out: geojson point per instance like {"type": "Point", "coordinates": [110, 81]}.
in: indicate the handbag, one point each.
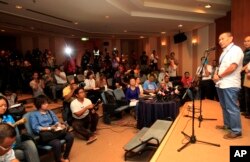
{"type": "Point", "coordinates": [46, 136]}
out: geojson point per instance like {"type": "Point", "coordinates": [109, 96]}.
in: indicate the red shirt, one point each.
{"type": "Point", "coordinates": [186, 81]}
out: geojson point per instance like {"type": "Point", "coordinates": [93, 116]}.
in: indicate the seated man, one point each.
{"type": "Point", "coordinates": [150, 86]}
{"type": "Point", "coordinates": [7, 139]}
{"type": "Point", "coordinates": [68, 95]}
{"type": "Point", "coordinates": [85, 118]}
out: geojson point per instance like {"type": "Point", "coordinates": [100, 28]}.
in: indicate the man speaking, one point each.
{"type": "Point", "coordinates": [228, 83]}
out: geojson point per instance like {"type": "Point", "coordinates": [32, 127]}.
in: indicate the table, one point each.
{"type": "Point", "coordinates": [148, 111]}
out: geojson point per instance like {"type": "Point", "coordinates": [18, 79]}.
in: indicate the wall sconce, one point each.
{"type": "Point", "coordinates": [194, 41]}
{"type": "Point", "coordinates": [163, 43]}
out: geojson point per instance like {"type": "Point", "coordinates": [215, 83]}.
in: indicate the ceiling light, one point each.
{"type": "Point", "coordinates": [180, 26]}
{"type": "Point", "coordinates": [72, 35]}
{"type": "Point", "coordinates": [125, 31]}
{"type": "Point", "coordinates": [141, 36]}
{"type": "Point", "coordinates": [208, 6]}
{"type": "Point", "coordinates": [2, 30]}
{"type": "Point", "coordinates": [19, 7]}
{"type": "Point", "coordinates": [76, 23]}
{"type": "Point", "coordinates": [84, 39]}
{"type": "Point", "coordinates": [163, 32]}
{"type": "Point", "coordinates": [106, 17]}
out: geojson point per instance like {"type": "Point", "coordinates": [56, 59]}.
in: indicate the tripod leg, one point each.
{"type": "Point", "coordinates": [184, 146]}
{"type": "Point", "coordinates": [214, 144]}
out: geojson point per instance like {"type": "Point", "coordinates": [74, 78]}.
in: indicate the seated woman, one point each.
{"type": "Point", "coordinates": [93, 92]}
{"type": "Point", "coordinates": [132, 92]}
{"type": "Point", "coordinates": [26, 148]}
{"type": "Point", "coordinates": [37, 85]}
{"type": "Point", "coordinates": [138, 84]}
{"type": "Point", "coordinates": [90, 83]}
{"type": "Point", "coordinates": [45, 120]}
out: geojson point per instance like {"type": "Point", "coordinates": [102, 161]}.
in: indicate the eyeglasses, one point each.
{"type": "Point", "coordinates": [5, 106]}
{"type": "Point", "coordinates": [4, 148]}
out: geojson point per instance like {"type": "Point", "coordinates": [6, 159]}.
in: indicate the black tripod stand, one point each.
{"type": "Point", "coordinates": [192, 138]}
{"type": "Point", "coordinates": [200, 117]}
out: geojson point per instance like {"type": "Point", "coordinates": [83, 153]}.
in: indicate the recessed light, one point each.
{"type": "Point", "coordinates": [2, 30]}
{"type": "Point", "coordinates": [163, 32]}
{"type": "Point", "coordinates": [180, 26]}
{"type": "Point", "coordinates": [72, 35]}
{"type": "Point", "coordinates": [76, 23]}
{"type": "Point", "coordinates": [84, 39]}
{"type": "Point", "coordinates": [19, 7]}
{"type": "Point", "coordinates": [125, 31]}
{"type": "Point", "coordinates": [106, 17]}
{"type": "Point", "coordinates": [141, 36]}
{"type": "Point", "coordinates": [208, 6]}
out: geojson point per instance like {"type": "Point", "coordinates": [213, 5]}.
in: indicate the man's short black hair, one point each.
{"type": "Point", "coordinates": [6, 130]}
{"type": "Point", "coordinates": [40, 100]}
{"type": "Point", "coordinates": [77, 90]}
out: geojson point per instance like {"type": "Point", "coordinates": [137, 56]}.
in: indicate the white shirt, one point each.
{"type": "Point", "coordinates": [76, 106]}
{"type": "Point", "coordinates": [172, 71]}
{"type": "Point", "coordinates": [10, 155]}
{"type": "Point", "coordinates": [59, 80]}
{"type": "Point", "coordinates": [231, 54]}
{"type": "Point", "coordinates": [89, 83]}
{"type": "Point", "coordinates": [209, 69]}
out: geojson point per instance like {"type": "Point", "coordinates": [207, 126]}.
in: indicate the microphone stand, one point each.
{"type": "Point", "coordinates": [192, 138]}
{"type": "Point", "coordinates": [200, 117]}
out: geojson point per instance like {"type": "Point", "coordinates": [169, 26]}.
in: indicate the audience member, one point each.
{"type": "Point", "coordinates": [37, 85]}
{"type": "Point", "coordinates": [205, 79]}
{"type": "Point", "coordinates": [45, 120]}
{"type": "Point", "coordinates": [242, 94]}
{"type": "Point", "coordinates": [7, 139]}
{"type": "Point", "coordinates": [132, 92]}
{"type": "Point", "coordinates": [24, 150]}
{"type": "Point", "coordinates": [149, 85]}
{"type": "Point", "coordinates": [85, 118]}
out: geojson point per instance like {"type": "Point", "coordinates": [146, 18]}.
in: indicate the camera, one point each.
{"type": "Point", "coordinates": [99, 101]}
{"type": "Point", "coordinates": [81, 84]}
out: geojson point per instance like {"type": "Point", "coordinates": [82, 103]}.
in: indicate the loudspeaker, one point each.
{"type": "Point", "coordinates": [180, 37]}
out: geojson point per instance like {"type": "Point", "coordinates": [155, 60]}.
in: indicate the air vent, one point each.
{"type": "Point", "coordinates": [2, 2]}
{"type": "Point", "coordinates": [54, 17]}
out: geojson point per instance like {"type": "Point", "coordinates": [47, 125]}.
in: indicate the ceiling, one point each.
{"type": "Point", "coordinates": [108, 18]}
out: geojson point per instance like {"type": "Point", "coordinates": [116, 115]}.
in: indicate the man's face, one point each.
{"type": "Point", "coordinates": [81, 94]}
{"type": "Point", "coordinates": [225, 39]}
{"type": "Point", "coordinates": [186, 75]}
{"type": "Point", "coordinates": [247, 42]}
{"type": "Point", "coordinates": [6, 145]}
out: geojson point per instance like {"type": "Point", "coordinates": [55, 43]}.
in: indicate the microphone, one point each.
{"type": "Point", "coordinates": [210, 49]}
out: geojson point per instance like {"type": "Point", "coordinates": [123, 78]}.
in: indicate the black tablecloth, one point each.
{"type": "Point", "coordinates": [149, 111]}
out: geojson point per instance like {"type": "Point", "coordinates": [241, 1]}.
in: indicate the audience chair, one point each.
{"type": "Point", "coordinates": [34, 136]}
{"type": "Point", "coordinates": [111, 107]}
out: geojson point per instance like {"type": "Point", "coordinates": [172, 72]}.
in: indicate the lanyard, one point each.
{"type": "Point", "coordinates": [225, 55]}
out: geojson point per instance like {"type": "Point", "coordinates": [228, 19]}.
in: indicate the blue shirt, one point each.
{"type": "Point", "coordinates": [39, 120]}
{"type": "Point", "coordinates": [149, 85]}
{"type": "Point", "coordinates": [132, 94]}
{"type": "Point", "coordinates": [8, 119]}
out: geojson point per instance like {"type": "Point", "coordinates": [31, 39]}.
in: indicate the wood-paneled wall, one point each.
{"type": "Point", "coordinates": [240, 20]}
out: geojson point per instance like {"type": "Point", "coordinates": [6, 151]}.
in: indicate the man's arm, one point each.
{"type": "Point", "coordinates": [228, 71]}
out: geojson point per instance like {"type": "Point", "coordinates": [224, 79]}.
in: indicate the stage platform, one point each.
{"type": "Point", "coordinates": [199, 152]}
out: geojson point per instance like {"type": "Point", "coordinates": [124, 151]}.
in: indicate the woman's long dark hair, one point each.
{"type": "Point", "coordinates": [3, 98]}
